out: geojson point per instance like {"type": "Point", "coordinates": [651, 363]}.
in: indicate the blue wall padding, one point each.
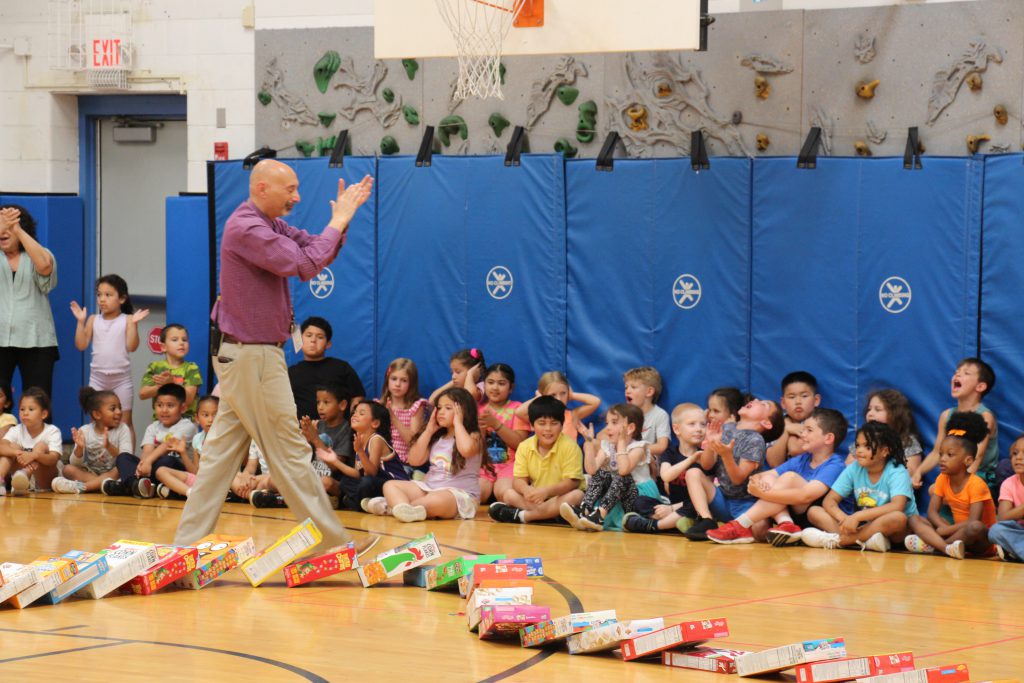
{"type": "Point", "coordinates": [60, 222]}
{"type": "Point", "coordinates": [188, 276]}
{"type": "Point", "coordinates": [442, 230]}
{"type": "Point", "coordinates": [804, 292]}
{"type": "Point", "coordinates": [631, 234]}
{"type": "Point", "coordinates": [1002, 282]}
{"type": "Point", "coordinates": [349, 305]}
{"type": "Point", "coordinates": [923, 226]}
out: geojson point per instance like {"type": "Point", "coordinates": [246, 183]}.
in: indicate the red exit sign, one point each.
{"type": "Point", "coordinates": [106, 53]}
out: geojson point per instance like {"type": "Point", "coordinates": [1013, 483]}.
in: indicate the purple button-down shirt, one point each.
{"type": "Point", "coordinates": [257, 256]}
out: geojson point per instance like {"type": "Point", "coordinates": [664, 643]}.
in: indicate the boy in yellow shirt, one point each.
{"type": "Point", "coordinates": [548, 469]}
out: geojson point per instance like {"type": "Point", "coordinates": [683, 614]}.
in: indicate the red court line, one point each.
{"type": "Point", "coordinates": [970, 647]}
{"type": "Point", "coordinates": [753, 601]}
{"type": "Point", "coordinates": [929, 617]}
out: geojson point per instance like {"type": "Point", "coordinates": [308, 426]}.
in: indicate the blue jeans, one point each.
{"type": "Point", "coordinates": [727, 509]}
{"type": "Point", "coordinates": [1009, 536]}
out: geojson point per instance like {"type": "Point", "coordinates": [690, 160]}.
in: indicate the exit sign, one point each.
{"type": "Point", "coordinates": [106, 53]}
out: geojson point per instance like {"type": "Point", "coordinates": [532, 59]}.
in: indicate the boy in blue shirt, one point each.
{"type": "Point", "coordinates": [791, 488]}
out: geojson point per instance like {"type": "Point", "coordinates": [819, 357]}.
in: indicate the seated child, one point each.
{"type": "Point", "coordinates": [467, 368]}
{"type": "Point", "coordinates": [452, 443]}
{"type": "Point", "coordinates": [879, 485]}
{"type": "Point", "coordinates": [407, 409]}
{"type": "Point", "coordinates": [555, 383]}
{"type": "Point", "coordinates": [316, 369]}
{"type": "Point", "coordinates": [548, 469]}
{"type": "Point", "coordinates": [7, 420]}
{"type": "Point", "coordinates": [799, 399]}
{"type": "Point", "coordinates": [97, 444]}
{"type": "Point", "coordinates": [732, 452]}
{"type": "Point", "coordinates": [790, 489]}
{"type": "Point", "coordinates": [174, 368]}
{"type": "Point", "coordinates": [891, 407]}
{"type": "Point", "coordinates": [618, 466]}
{"type": "Point", "coordinates": [30, 451]}
{"type": "Point", "coordinates": [972, 381]}
{"type": "Point", "coordinates": [334, 460]}
{"type": "Point", "coordinates": [163, 445]}
{"type": "Point", "coordinates": [179, 482]}
{"type": "Point", "coordinates": [724, 404]}
{"type": "Point", "coordinates": [966, 494]}
{"type": "Point", "coordinates": [501, 429]}
{"type": "Point", "coordinates": [643, 388]}
{"type": "Point", "coordinates": [1008, 532]}
{"type": "Point", "coordinates": [650, 515]}
{"type": "Point", "coordinates": [378, 461]}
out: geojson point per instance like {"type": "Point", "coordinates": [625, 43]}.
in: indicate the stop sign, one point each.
{"type": "Point", "coordinates": [154, 340]}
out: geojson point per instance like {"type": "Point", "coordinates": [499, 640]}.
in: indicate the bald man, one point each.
{"type": "Point", "coordinates": [258, 253]}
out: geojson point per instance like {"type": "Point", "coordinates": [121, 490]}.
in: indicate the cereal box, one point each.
{"type": "Point", "coordinates": [218, 554]}
{"type": "Point", "coordinates": [174, 563]}
{"type": "Point", "coordinates": [446, 576]}
{"type": "Point", "coordinates": [505, 621]}
{"type": "Point", "coordinates": [788, 656]}
{"type": "Point", "coordinates": [560, 628]}
{"type": "Point", "coordinates": [688, 633]}
{"type": "Point", "coordinates": [91, 566]}
{"type": "Point", "coordinates": [950, 673]}
{"type": "Point", "coordinates": [716, 660]}
{"type": "Point", "coordinates": [334, 561]}
{"type": "Point", "coordinates": [494, 575]}
{"type": "Point", "coordinates": [417, 576]}
{"type": "Point", "coordinates": [125, 560]}
{"type": "Point", "coordinates": [274, 557]}
{"type": "Point", "coordinates": [534, 567]}
{"type": "Point", "coordinates": [608, 636]}
{"type": "Point", "coordinates": [52, 573]}
{"type": "Point", "coordinates": [397, 560]}
{"type": "Point", "coordinates": [854, 667]}
{"type": "Point", "coordinates": [522, 595]}
{"type": "Point", "coordinates": [15, 578]}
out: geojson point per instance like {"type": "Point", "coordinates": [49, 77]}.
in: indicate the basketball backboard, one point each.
{"type": "Point", "coordinates": [415, 28]}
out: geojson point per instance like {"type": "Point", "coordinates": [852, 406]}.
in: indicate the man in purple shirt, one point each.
{"type": "Point", "coordinates": [259, 252]}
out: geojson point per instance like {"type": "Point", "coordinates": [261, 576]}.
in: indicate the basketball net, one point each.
{"type": "Point", "coordinates": [479, 27]}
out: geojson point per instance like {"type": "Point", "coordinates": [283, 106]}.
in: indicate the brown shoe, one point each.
{"type": "Point", "coordinates": [364, 544]}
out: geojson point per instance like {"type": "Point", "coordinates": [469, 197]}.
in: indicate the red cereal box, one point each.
{"type": "Point", "coordinates": [334, 561]}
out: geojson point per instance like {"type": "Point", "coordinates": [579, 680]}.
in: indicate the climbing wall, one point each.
{"type": "Point", "coordinates": [863, 75]}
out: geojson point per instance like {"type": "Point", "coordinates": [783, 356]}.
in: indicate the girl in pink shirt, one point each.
{"type": "Point", "coordinates": [401, 396]}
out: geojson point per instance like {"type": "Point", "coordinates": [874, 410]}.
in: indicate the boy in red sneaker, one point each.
{"type": "Point", "coordinates": [790, 489]}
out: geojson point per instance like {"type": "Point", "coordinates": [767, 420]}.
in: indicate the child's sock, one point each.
{"type": "Point", "coordinates": [80, 485]}
{"type": "Point", "coordinates": [745, 521]}
{"type": "Point", "coordinates": [783, 517]}
{"type": "Point", "coordinates": [188, 492]}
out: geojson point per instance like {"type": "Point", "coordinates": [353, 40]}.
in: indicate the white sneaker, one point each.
{"type": "Point", "coordinates": [374, 506]}
{"type": "Point", "coordinates": [878, 542]}
{"type": "Point", "coordinates": [999, 549]}
{"type": "Point", "coordinates": [62, 485]}
{"type": "Point", "coordinates": [404, 512]}
{"type": "Point", "coordinates": [162, 491]}
{"type": "Point", "coordinates": [914, 544]}
{"type": "Point", "coordinates": [816, 538]}
{"type": "Point", "coordinates": [20, 483]}
{"type": "Point", "coordinates": [3, 489]}
{"type": "Point", "coordinates": [956, 550]}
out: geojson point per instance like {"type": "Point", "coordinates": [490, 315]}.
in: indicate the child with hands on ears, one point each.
{"type": "Point", "coordinates": [556, 384]}
{"type": "Point", "coordinates": [467, 366]}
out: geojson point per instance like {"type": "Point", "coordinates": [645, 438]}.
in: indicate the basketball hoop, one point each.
{"type": "Point", "coordinates": [479, 27]}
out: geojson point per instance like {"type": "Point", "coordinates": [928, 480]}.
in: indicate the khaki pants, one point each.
{"type": "Point", "coordinates": [256, 404]}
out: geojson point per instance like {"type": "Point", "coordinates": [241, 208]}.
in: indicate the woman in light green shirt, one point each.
{"type": "Point", "coordinates": [28, 273]}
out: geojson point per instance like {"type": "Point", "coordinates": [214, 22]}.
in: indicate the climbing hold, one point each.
{"type": "Point", "coordinates": [305, 147]}
{"type": "Point", "coordinates": [325, 68]}
{"type": "Point", "coordinates": [761, 87]}
{"type": "Point", "coordinates": [501, 72]}
{"type": "Point", "coordinates": [388, 145]}
{"type": "Point", "coordinates": [450, 125]}
{"type": "Point", "coordinates": [974, 82]}
{"type": "Point", "coordinates": [326, 118]}
{"type": "Point", "coordinates": [498, 124]}
{"type": "Point", "coordinates": [410, 66]}
{"type": "Point", "coordinates": [565, 148]}
{"type": "Point", "coordinates": [1002, 116]}
{"type": "Point", "coordinates": [586, 125]}
{"type": "Point", "coordinates": [637, 114]}
{"type": "Point", "coordinates": [412, 116]}
{"type": "Point", "coordinates": [866, 89]}
{"type": "Point", "coordinates": [324, 146]}
{"type": "Point", "coordinates": [567, 94]}
{"type": "Point", "coordinates": [974, 141]}
{"type": "Point", "coordinates": [762, 142]}
{"type": "Point", "coordinates": [862, 148]}
{"type": "Point", "coordinates": [388, 94]}
{"type": "Point", "coordinates": [264, 97]}
{"type": "Point", "coordinates": [663, 89]}
{"type": "Point", "coordinates": [737, 118]}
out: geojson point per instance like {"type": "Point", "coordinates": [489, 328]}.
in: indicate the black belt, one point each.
{"type": "Point", "coordinates": [231, 340]}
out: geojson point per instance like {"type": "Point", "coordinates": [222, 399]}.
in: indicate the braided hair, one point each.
{"type": "Point", "coordinates": [878, 435]}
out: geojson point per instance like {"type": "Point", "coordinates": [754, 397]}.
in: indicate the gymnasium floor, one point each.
{"type": "Point", "coordinates": [943, 610]}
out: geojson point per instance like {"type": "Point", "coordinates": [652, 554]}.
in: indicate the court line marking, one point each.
{"type": "Point", "coordinates": [574, 603]}
{"type": "Point", "coordinates": [754, 601]}
{"type": "Point", "coordinates": [970, 647]}
{"type": "Point", "coordinates": [65, 628]}
{"type": "Point", "coordinates": [59, 652]}
{"type": "Point", "coordinates": [291, 668]}
{"type": "Point", "coordinates": [908, 615]}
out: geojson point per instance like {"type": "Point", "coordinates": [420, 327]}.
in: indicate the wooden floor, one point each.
{"type": "Point", "coordinates": [943, 610]}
